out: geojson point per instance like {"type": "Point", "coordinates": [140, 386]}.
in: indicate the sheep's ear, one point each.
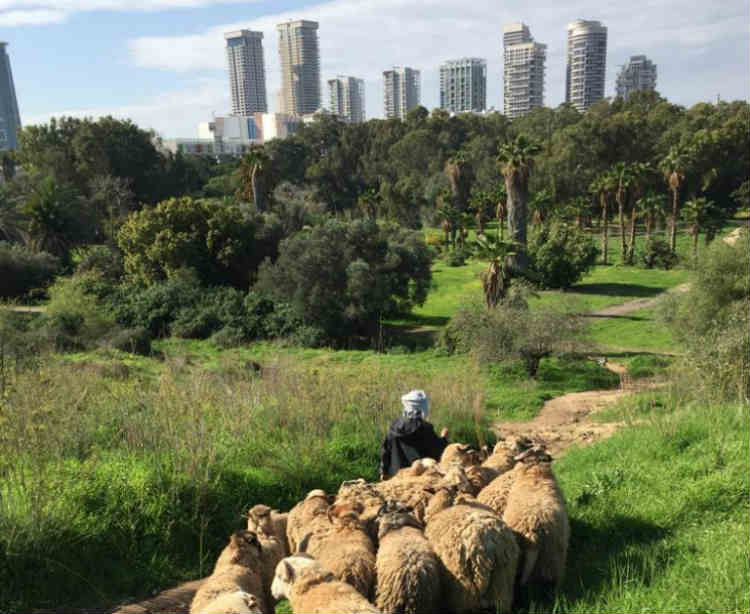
{"type": "Point", "coordinates": [331, 512]}
{"type": "Point", "coordinates": [358, 507]}
{"type": "Point", "coordinates": [287, 572]}
{"type": "Point", "coordinates": [304, 543]}
{"type": "Point", "coordinates": [382, 510]}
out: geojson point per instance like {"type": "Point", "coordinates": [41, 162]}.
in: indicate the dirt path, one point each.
{"type": "Point", "coordinates": [565, 421]}
{"type": "Point", "coordinates": [624, 309]}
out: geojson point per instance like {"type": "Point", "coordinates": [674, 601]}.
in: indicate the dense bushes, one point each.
{"type": "Point", "coordinates": [656, 253]}
{"type": "Point", "coordinates": [343, 277]}
{"type": "Point", "coordinates": [22, 269]}
{"type": "Point", "coordinates": [560, 255]}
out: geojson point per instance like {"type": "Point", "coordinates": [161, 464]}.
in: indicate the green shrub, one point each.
{"type": "Point", "coordinates": [457, 257]}
{"type": "Point", "coordinates": [133, 340]}
{"type": "Point", "coordinates": [229, 337]}
{"type": "Point", "coordinates": [656, 253]}
{"type": "Point", "coordinates": [560, 254]}
{"type": "Point", "coordinates": [23, 270]}
{"type": "Point", "coordinates": [102, 259]}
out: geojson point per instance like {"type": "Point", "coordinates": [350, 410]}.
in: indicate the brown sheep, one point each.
{"type": "Point", "coordinates": [537, 514]}
{"type": "Point", "coordinates": [461, 454]}
{"type": "Point", "coordinates": [347, 551]}
{"type": "Point", "coordinates": [367, 495]}
{"type": "Point", "coordinates": [259, 520]}
{"type": "Point", "coordinates": [308, 517]}
{"type": "Point", "coordinates": [478, 551]}
{"type": "Point", "coordinates": [238, 568]}
{"type": "Point", "coordinates": [408, 570]}
{"type": "Point", "coordinates": [502, 457]}
{"type": "Point", "coordinates": [495, 494]}
{"type": "Point", "coordinates": [311, 588]}
{"type": "Point", "coordinates": [238, 602]}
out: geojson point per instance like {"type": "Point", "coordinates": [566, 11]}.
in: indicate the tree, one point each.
{"type": "Point", "coordinates": [459, 174]}
{"type": "Point", "coordinates": [604, 186]}
{"type": "Point", "coordinates": [541, 206]}
{"type": "Point", "coordinates": [623, 173]}
{"type": "Point", "coordinates": [653, 205]}
{"type": "Point", "coordinates": [252, 169]}
{"type": "Point", "coordinates": [674, 166]}
{"type": "Point", "coordinates": [12, 221]}
{"type": "Point", "coordinates": [516, 161]}
{"type": "Point", "coordinates": [701, 215]}
{"type": "Point", "coordinates": [496, 279]}
{"type": "Point", "coordinates": [560, 254]}
{"type": "Point", "coordinates": [113, 199]}
{"type": "Point", "coordinates": [343, 277]}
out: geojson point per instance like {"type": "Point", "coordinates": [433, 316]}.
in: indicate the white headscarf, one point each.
{"type": "Point", "coordinates": [416, 404]}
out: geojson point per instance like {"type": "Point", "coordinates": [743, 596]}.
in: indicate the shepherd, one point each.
{"type": "Point", "coordinates": [411, 436]}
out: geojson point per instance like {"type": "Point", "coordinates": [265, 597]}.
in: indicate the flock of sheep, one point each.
{"type": "Point", "coordinates": [455, 536]}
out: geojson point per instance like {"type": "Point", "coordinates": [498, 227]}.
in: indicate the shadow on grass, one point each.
{"type": "Point", "coordinates": [632, 318]}
{"type": "Point", "coordinates": [595, 555]}
{"type": "Point", "coordinates": [615, 289]}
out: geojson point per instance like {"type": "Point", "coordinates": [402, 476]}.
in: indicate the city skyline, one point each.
{"type": "Point", "coordinates": [171, 79]}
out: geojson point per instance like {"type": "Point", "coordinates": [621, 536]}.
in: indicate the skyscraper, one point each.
{"type": "Point", "coordinates": [463, 85]}
{"type": "Point", "coordinates": [300, 67]}
{"type": "Point", "coordinates": [347, 98]}
{"type": "Point", "coordinates": [587, 61]}
{"type": "Point", "coordinates": [10, 120]}
{"type": "Point", "coordinates": [247, 73]}
{"type": "Point", "coordinates": [523, 70]}
{"type": "Point", "coordinates": [401, 92]}
{"type": "Point", "coordinates": [638, 74]}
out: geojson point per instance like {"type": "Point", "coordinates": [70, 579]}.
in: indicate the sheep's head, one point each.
{"type": "Point", "coordinates": [394, 515]}
{"type": "Point", "coordinates": [533, 456]}
{"type": "Point", "coordinates": [317, 493]}
{"type": "Point", "coordinates": [346, 514]}
{"type": "Point", "coordinates": [288, 571]}
{"type": "Point", "coordinates": [460, 454]}
{"type": "Point", "coordinates": [245, 548]}
{"type": "Point", "coordinates": [259, 519]}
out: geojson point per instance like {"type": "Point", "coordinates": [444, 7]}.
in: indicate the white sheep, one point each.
{"type": "Point", "coordinates": [478, 551]}
{"type": "Point", "coordinates": [238, 568]}
{"type": "Point", "coordinates": [309, 516]}
{"type": "Point", "coordinates": [238, 602]}
{"type": "Point", "coordinates": [537, 514]}
{"type": "Point", "coordinates": [311, 588]}
{"type": "Point", "coordinates": [262, 519]}
{"type": "Point", "coordinates": [366, 495]}
{"type": "Point", "coordinates": [408, 570]}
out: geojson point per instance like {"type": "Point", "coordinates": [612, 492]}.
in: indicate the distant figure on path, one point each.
{"type": "Point", "coordinates": [411, 437]}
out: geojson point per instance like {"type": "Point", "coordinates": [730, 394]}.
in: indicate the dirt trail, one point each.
{"type": "Point", "coordinates": [640, 303]}
{"type": "Point", "coordinates": [565, 421]}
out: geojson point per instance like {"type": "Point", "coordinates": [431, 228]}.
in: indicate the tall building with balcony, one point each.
{"type": "Point", "coordinates": [463, 85]}
{"type": "Point", "coordinates": [247, 73]}
{"type": "Point", "coordinates": [523, 70]}
{"type": "Point", "coordinates": [346, 96]}
{"type": "Point", "coordinates": [586, 63]}
{"type": "Point", "coordinates": [10, 119]}
{"type": "Point", "coordinates": [638, 74]}
{"type": "Point", "coordinates": [300, 67]}
{"type": "Point", "coordinates": [401, 91]}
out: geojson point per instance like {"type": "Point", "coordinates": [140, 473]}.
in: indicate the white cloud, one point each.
{"type": "Point", "coordinates": [165, 113]}
{"type": "Point", "coordinates": [32, 17]}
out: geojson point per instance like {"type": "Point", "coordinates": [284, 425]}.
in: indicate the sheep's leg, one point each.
{"type": "Point", "coordinates": [529, 560]}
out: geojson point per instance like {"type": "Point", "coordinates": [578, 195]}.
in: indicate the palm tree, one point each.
{"type": "Point", "coordinates": [516, 161]}
{"type": "Point", "coordinates": [540, 204]}
{"type": "Point", "coordinates": [622, 171]}
{"type": "Point", "coordinates": [368, 203]}
{"type": "Point", "coordinates": [700, 215]}
{"type": "Point", "coordinates": [458, 172]}
{"type": "Point", "coordinates": [11, 218]}
{"type": "Point", "coordinates": [252, 168]}
{"type": "Point", "coordinates": [604, 185]}
{"type": "Point", "coordinates": [499, 195]}
{"type": "Point", "coordinates": [638, 173]}
{"type": "Point", "coordinates": [653, 206]}
{"type": "Point", "coordinates": [496, 279]}
{"type": "Point", "coordinates": [479, 201]}
{"type": "Point", "coordinates": [674, 166]}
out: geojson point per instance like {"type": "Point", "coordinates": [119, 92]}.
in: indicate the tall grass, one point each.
{"type": "Point", "coordinates": [114, 487]}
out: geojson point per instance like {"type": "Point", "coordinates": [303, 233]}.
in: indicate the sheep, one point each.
{"type": "Point", "coordinates": [367, 495]}
{"type": "Point", "coordinates": [238, 602]}
{"type": "Point", "coordinates": [501, 459]}
{"type": "Point", "coordinates": [408, 485]}
{"type": "Point", "coordinates": [536, 512]}
{"type": "Point", "coordinates": [408, 570]}
{"type": "Point", "coordinates": [238, 568]}
{"type": "Point", "coordinates": [311, 588]}
{"type": "Point", "coordinates": [308, 516]}
{"type": "Point", "coordinates": [347, 551]}
{"type": "Point", "coordinates": [495, 494]}
{"type": "Point", "coordinates": [478, 551]}
{"type": "Point", "coordinates": [260, 521]}
{"type": "Point", "coordinates": [459, 453]}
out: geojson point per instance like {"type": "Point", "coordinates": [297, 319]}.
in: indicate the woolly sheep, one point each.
{"type": "Point", "coordinates": [238, 568]}
{"type": "Point", "coordinates": [408, 570]}
{"type": "Point", "coordinates": [459, 453]}
{"type": "Point", "coordinates": [366, 495]}
{"type": "Point", "coordinates": [238, 602]}
{"type": "Point", "coordinates": [478, 551]}
{"type": "Point", "coordinates": [501, 459]}
{"type": "Point", "coordinates": [347, 551]}
{"type": "Point", "coordinates": [259, 521]}
{"type": "Point", "coordinates": [313, 589]}
{"type": "Point", "coordinates": [262, 518]}
{"type": "Point", "coordinates": [537, 514]}
{"type": "Point", "coordinates": [310, 516]}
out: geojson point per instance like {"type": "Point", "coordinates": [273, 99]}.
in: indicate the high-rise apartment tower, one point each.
{"type": "Point", "coordinates": [10, 120]}
{"type": "Point", "coordinates": [247, 73]}
{"type": "Point", "coordinates": [463, 85]}
{"type": "Point", "coordinates": [587, 61]}
{"type": "Point", "coordinates": [347, 98]}
{"type": "Point", "coordinates": [638, 74]}
{"type": "Point", "coordinates": [401, 91]}
{"type": "Point", "coordinates": [523, 70]}
{"type": "Point", "coordinates": [300, 67]}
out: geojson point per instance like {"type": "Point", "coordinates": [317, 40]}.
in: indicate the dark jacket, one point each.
{"type": "Point", "coordinates": [408, 440]}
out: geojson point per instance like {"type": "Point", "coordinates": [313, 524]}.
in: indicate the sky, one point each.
{"type": "Point", "coordinates": [162, 63]}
